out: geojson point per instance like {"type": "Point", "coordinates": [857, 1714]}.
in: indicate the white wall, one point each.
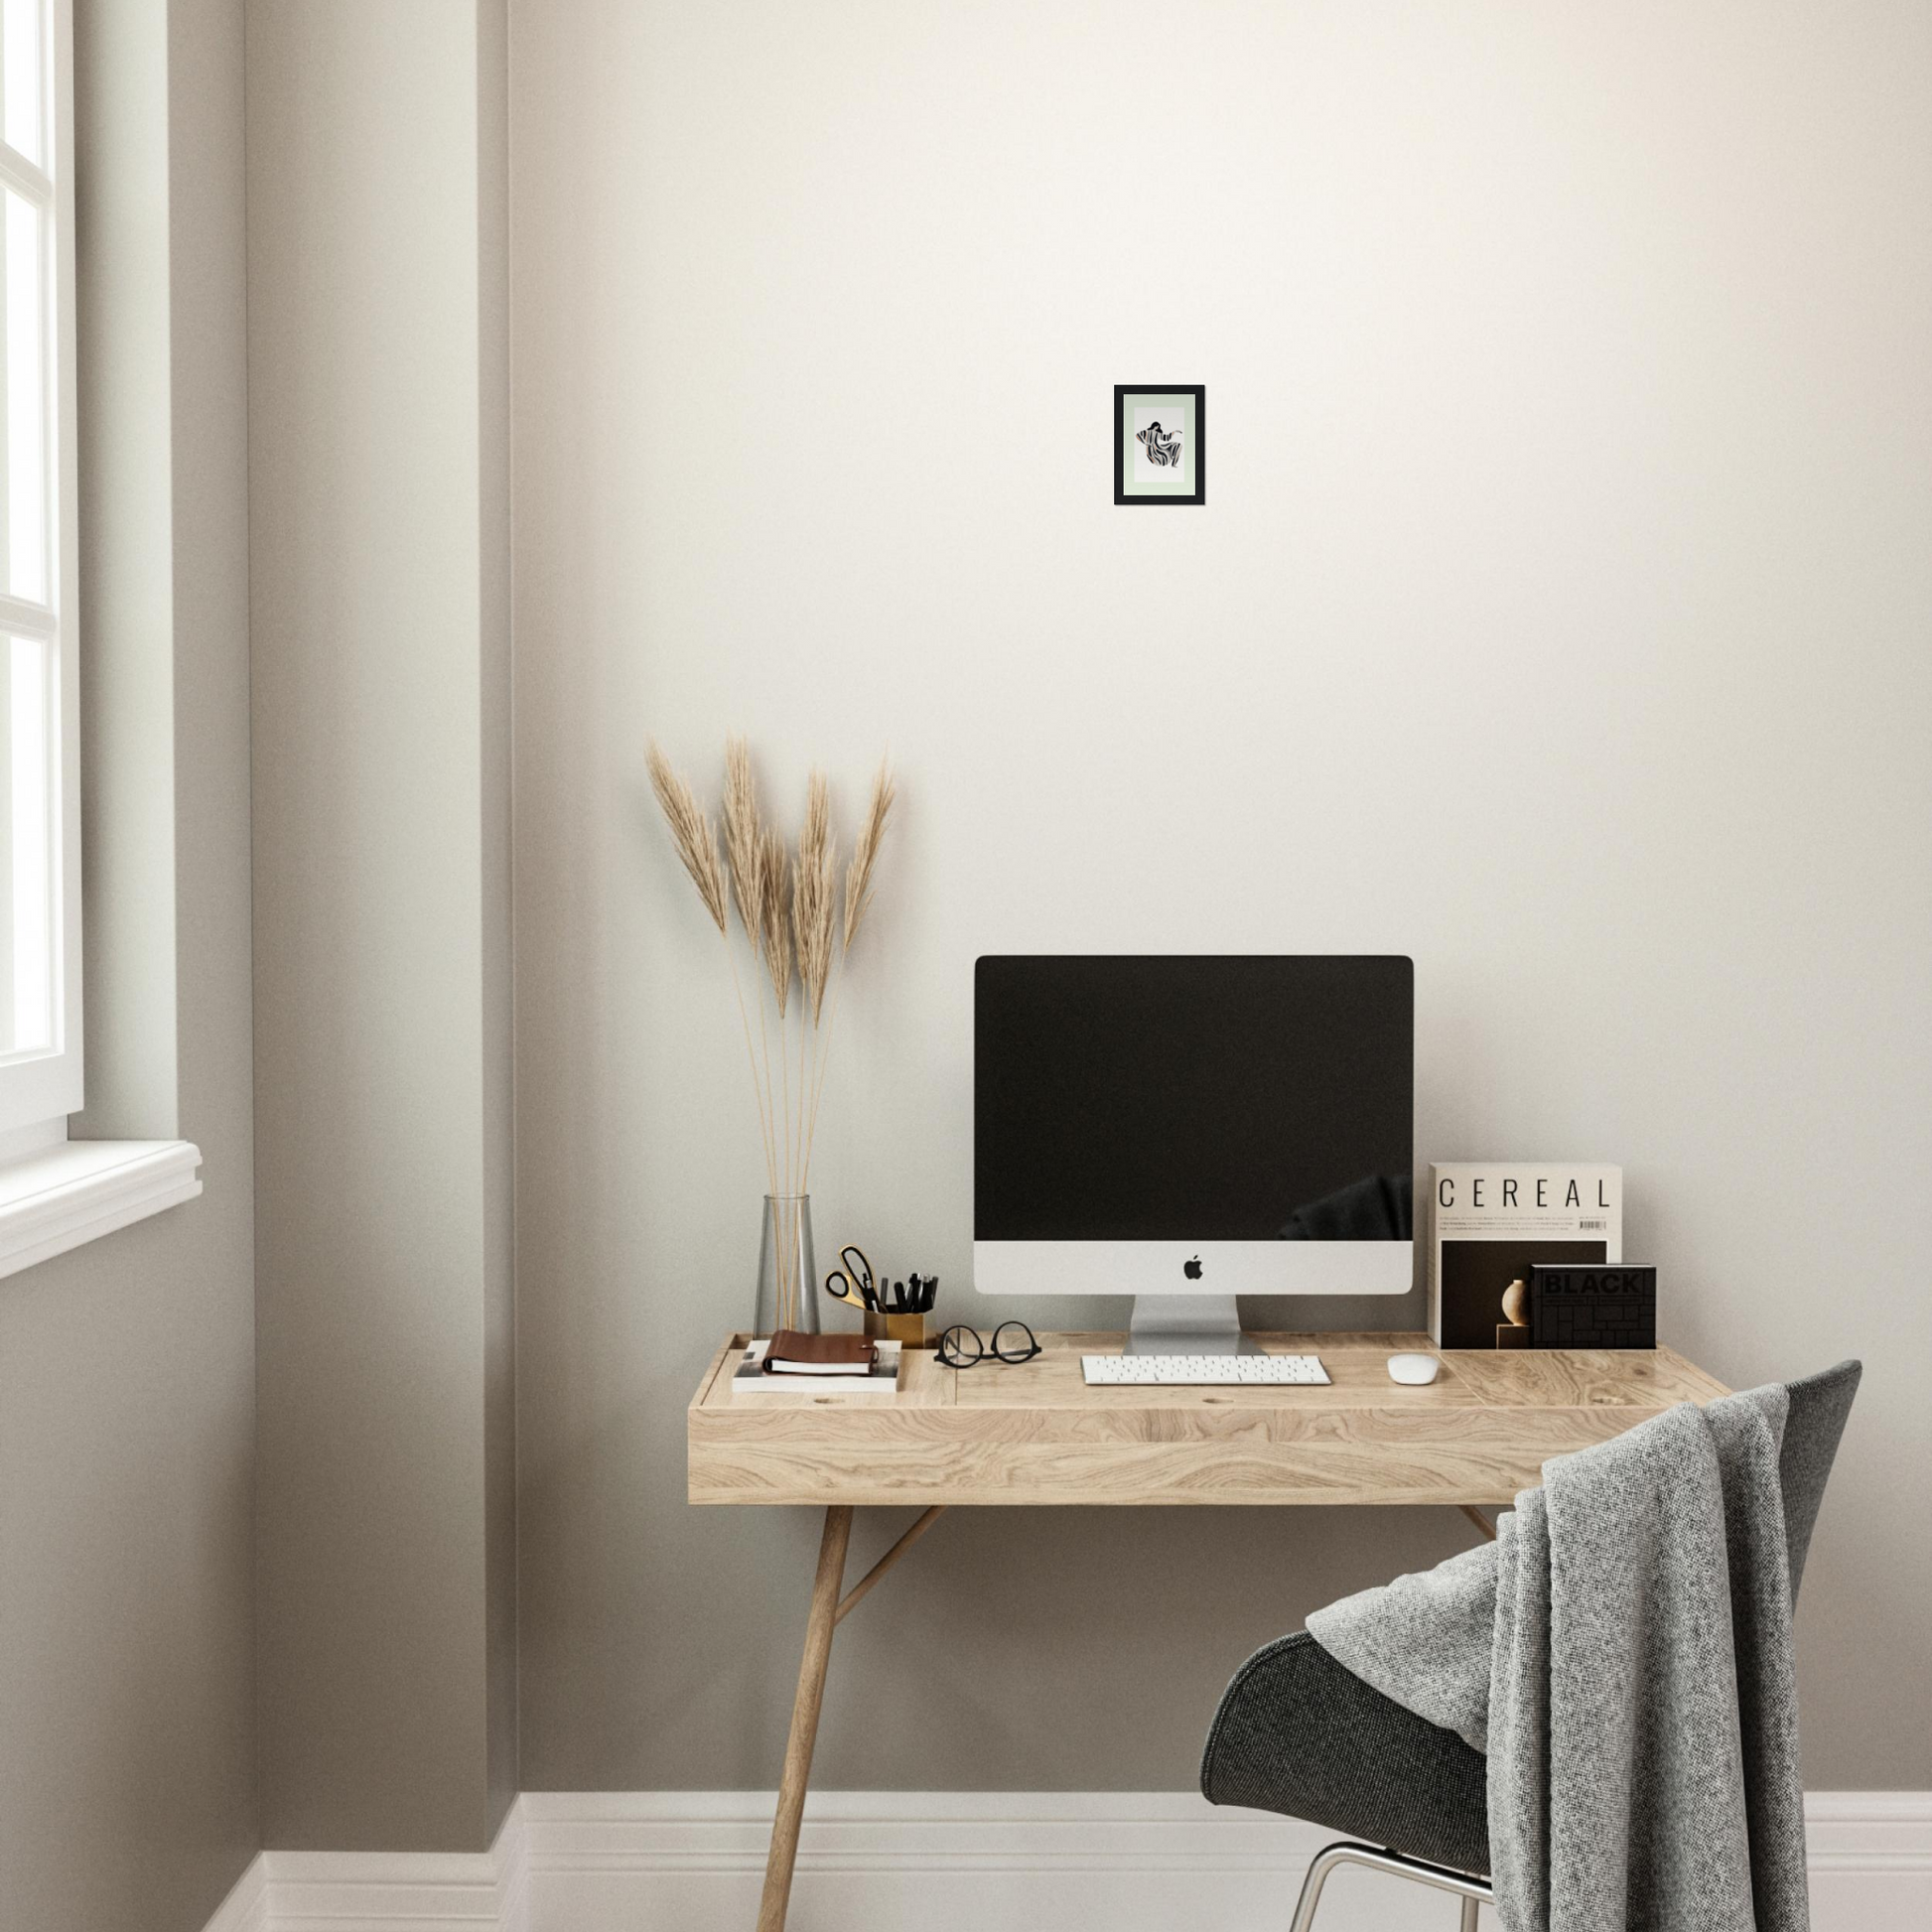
{"type": "Point", "coordinates": [1559, 616]}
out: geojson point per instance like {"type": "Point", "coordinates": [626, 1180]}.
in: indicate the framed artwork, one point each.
{"type": "Point", "coordinates": [1160, 443]}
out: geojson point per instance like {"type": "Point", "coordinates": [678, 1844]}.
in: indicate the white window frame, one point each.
{"type": "Point", "coordinates": [56, 1192]}
{"type": "Point", "coordinates": [38, 1090]}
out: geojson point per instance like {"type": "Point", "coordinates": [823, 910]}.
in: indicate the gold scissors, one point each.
{"type": "Point", "coordinates": [852, 1280]}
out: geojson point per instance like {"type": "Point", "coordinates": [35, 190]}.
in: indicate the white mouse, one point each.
{"type": "Point", "coordinates": [1415, 1369]}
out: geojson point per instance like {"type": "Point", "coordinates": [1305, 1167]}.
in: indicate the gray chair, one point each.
{"type": "Point", "coordinates": [1299, 1733]}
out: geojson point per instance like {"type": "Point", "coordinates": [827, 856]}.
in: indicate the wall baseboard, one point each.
{"type": "Point", "coordinates": [952, 1861]}
{"type": "Point", "coordinates": [245, 1909]}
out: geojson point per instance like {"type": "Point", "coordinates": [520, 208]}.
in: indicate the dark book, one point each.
{"type": "Point", "coordinates": [794, 1353]}
{"type": "Point", "coordinates": [1611, 1306]}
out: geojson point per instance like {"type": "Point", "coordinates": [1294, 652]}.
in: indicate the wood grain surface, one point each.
{"type": "Point", "coordinates": [1035, 1434]}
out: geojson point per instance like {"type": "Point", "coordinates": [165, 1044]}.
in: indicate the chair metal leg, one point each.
{"type": "Point", "coordinates": [1472, 1891]}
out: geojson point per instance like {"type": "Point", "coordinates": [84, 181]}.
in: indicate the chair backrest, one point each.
{"type": "Point", "coordinates": [1819, 1407]}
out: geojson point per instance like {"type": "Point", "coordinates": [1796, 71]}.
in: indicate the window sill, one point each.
{"type": "Point", "coordinates": [79, 1190]}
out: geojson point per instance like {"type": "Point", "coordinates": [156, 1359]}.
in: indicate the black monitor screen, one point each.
{"type": "Point", "coordinates": [1193, 1099]}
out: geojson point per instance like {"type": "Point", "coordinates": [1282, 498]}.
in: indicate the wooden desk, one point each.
{"type": "Point", "coordinates": [1032, 1434]}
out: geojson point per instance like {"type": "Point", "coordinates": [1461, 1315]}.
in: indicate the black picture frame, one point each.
{"type": "Point", "coordinates": [1190, 498]}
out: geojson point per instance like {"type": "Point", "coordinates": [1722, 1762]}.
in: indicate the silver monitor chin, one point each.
{"type": "Point", "coordinates": [1184, 1296]}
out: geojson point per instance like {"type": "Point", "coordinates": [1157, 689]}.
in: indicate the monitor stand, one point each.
{"type": "Point", "coordinates": [1186, 1325]}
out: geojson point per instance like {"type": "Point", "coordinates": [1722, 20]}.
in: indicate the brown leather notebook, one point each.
{"type": "Point", "coordinates": [793, 1353]}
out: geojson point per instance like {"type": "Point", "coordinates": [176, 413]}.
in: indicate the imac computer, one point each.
{"type": "Point", "coordinates": [1190, 1129]}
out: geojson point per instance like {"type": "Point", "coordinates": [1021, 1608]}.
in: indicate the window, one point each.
{"type": "Point", "coordinates": [55, 1193]}
{"type": "Point", "coordinates": [39, 846]}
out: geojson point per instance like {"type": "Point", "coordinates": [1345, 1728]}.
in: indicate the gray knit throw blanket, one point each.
{"type": "Point", "coordinates": [1622, 1652]}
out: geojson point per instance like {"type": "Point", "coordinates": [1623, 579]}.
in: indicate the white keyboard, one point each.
{"type": "Point", "coordinates": [1202, 1371]}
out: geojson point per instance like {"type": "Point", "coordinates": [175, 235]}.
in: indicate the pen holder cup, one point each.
{"type": "Point", "coordinates": [906, 1329]}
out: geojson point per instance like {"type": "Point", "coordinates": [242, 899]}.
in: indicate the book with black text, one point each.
{"type": "Point", "coordinates": [1490, 1222]}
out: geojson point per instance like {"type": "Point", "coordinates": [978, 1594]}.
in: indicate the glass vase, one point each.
{"type": "Point", "coordinates": [787, 1272]}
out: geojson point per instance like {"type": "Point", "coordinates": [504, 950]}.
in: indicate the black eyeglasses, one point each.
{"type": "Point", "coordinates": [1012, 1341]}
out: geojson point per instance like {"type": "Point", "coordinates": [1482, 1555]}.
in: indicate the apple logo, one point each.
{"type": "Point", "coordinates": [1191, 1269]}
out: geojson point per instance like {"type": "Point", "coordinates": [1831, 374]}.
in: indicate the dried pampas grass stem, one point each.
{"type": "Point", "coordinates": [691, 833]}
{"type": "Point", "coordinates": [775, 923]}
{"type": "Point", "coordinates": [742, 845]}
{"type": "Point", "coordinates": [696, 845]}
{"type": "Point", "coordinates": [815, 905]}
{"type": "Point", "coordinates": [864, 851]}
{"type": "Point", "coordinates": [858, 900]}
{"type": "Point", "coordinates": [788, 911]}
{"type": "Point", "coordinates": [814, 896]}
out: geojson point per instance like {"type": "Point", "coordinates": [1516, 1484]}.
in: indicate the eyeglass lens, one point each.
{"type": "Point", "coordinates": [1012, 1341]}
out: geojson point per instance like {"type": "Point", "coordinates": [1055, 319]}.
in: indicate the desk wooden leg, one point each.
{"type": "Point", "coordinates": [857, 1593]}
{"type": "Point", "coordinates": [804, 1718]}
{"type": "Point", "coordinates": [1478, 1519]}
